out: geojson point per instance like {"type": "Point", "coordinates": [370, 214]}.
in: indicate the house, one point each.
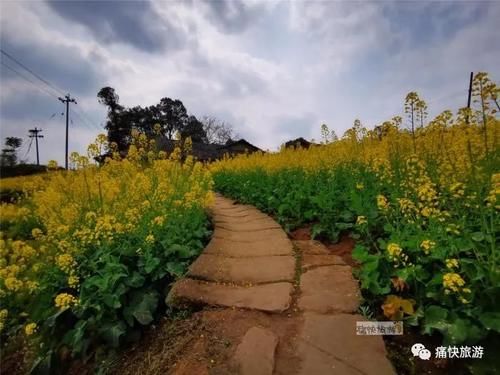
{"type": "Point", "coordinates": [299, 142]}
{"type": "Point", "coordinates": [207, 152]}
{"type": "Point", "coordinates": [238, 147]}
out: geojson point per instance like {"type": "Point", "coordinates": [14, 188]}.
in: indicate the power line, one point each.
{"type": "Point", "coordinates": [42, 89]}
{"type": "Point", "coordinates": [29, 148]}
{"type": "Point", "coordinates": [32, 72]}
{"type": "Point", "coordinates": [85, 119]}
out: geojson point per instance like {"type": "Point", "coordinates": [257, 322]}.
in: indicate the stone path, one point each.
{"type": "Point", "coordinates": [251, 264]}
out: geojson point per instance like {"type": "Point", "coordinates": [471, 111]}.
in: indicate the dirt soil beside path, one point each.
{"type": "Point", "coordinates": [343, 248]}
{"type": "Point", "coordinates": [205, 343]}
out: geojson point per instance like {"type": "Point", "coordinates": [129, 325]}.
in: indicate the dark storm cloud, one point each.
{"type": "Point", "coordinates": [64, 66]}
{"type": "Point", "coordinates": [129, 22]}
{"type": "Point", "coordinates": [233, 16]}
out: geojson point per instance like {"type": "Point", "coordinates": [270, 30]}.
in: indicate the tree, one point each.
{"type": "Point", "coordinates": [118, 128]}
{"type": "Point", "coordinates": [9, 153]}
{"type": "Point", "coordinates": [194, 129]}
{"type": "Point", "coordinates": [171, 115]}
{"type": "Point", "coordinates": [217, 131]}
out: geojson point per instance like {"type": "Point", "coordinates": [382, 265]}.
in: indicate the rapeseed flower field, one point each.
{"type": "Point", "coordinates": [422, 204]}
{"type": "Point", "coordinates": [86, 254]}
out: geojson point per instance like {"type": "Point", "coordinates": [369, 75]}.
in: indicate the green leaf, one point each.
{"type": "Point", "coordinates": [143, 306]}
{"type": "Point", "coordinates": [457, 331]}
{"type": "Point", "coordinates": [112, 332]}
{"type": "Point", "coordinates": [44, 364]}
{"type": "Point", "coordinates": [360, 253]}
{"type": "Point", "coordinates": [150, 264]}
{"type": "Point", "coordinates": [112, 300]}
{"type": "Point", "coordinates": [491, 320]}
{"type": "Point", "coordinates": [478, 236]}
{"type": "Point", "coordinates": [176, 269]}
{"type": "Point", "coordinates": [435, 318]}
{"type": "Point", "coordinates": [136, 280]}
{"type": "Point", "coordinates": [388, 228]}
{"type": "Point", "coordinates": [75, 338]}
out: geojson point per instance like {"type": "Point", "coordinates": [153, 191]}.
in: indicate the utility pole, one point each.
{"type": "Point", "coordinates": [35, 133]}
{"type": "Point", "coordinates": [470, 94]}
{"type": "Point", "coordinates": [67, 99]}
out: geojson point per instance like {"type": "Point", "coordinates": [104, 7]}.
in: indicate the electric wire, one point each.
{"type": "Point", "coordinates": [31, 71]}
{"type": "Point", "coordinates": [29, 80]}
{"type": "Point", "coordinates": [85, 119]}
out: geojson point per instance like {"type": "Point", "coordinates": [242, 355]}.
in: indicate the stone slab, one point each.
{"type": "Point", "coordinates": [255, 353]}
{"type": "Point", "coordinates": [239, 215]}
{"type": "Point", "coordinates": [243, 270]}
{"type": "Point", "coordinates": [274, 298]}
{"type": "Point", "coordinates": [310, 261]}
{"type": "Point", "coordinates": [252, 219]}
{"type": "Point", "coordinates": [328, 344]}
{"type": "Point", "coordinates": [311, 247]}
{"type": "Point", "coordinates": [252, 226]}
{"type": "Point", "coordinates": [329, 289]}
{"type": "Point", "coordinates": [251, 236]}
{"type": "Point", "coordinates": [244, 249]}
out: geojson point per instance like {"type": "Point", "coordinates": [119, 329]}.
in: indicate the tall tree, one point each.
{"type": "Point", "coordinates": [194, 130]}
{"type": "Point", "coordinates": [217, 131]}
{"type": "Point", "coordinates": [171, 115]}
{"type": "Point", "coordinates": [118, 129]}
{"type": "Point", "coordinates": [9, 153]}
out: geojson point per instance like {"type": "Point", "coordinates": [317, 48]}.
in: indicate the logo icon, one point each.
{"type": "Point", "coordinates": [419, 350]}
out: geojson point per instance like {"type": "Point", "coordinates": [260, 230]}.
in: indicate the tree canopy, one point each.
{"type": "Point", "coordinates": [170, 114]}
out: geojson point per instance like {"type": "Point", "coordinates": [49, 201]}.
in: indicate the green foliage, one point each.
{"type": "Point", "coordinates": [333, 199]}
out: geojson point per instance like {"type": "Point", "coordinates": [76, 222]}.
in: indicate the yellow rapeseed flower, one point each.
{"type": "Point", "coordinates": [73, 281]}
{"type": "Point", "coordinates": [427, 245]}
{"type": "Point", "coordinates": [65, 262]}
{"type": "Point", "coordinates": [394, 250]}
{"type": "Point", "coordinates": [64, 301]}
{"type": "Point", "coordinates": [30, 329]}
{"type": "Point", "coordinates": [382, 203]}
{"type": "Point", "coordinates": [361, 220]}
{"type": "Point", "coordinates": [453, 281]}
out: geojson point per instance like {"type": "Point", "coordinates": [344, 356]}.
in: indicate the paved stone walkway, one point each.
{"type": "Point", "coordinates": [250, 263]}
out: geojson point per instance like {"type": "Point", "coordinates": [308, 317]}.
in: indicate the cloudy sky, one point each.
{"type": "Point", "coordinates": [275, 70]}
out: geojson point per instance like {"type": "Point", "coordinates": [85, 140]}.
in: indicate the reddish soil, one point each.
{"type": "Point", "coordinates": [302, 233]}
{"type": "Point", "coordinates": [205, 343]}
{"type": "Point", "coordinates": [343, 249]}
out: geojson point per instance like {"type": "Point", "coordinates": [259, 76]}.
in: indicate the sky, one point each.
{"type": "Point", "coordinates": [275, 70]}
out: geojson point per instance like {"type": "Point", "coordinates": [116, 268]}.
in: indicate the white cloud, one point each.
{"type": "Point", "coordinates": [276, 70]}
